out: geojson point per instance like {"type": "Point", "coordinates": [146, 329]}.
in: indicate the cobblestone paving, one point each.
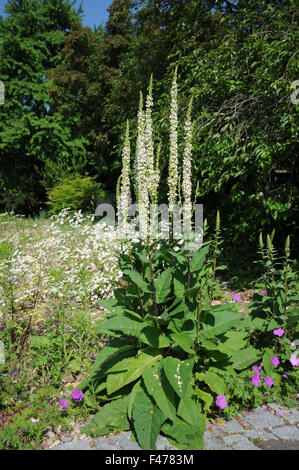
{"type": "Point", "coordinates": [265, 428]}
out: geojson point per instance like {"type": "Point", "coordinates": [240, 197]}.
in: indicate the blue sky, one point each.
{"type": "Point", "coordinates": [95, 11]}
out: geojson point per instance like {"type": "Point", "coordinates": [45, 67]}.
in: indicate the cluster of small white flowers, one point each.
{"type": "Point", "coordinates": [173, 156]}
{"type": "Point", "coordinates": [142, 173]}
{"type": "Point", "coordinates": [187, 174]}
{"type": "Point", "coordinates": [49, 263]}
{"type": "Point", "coordinates": [152, 179]}
{"type": "Point", "coordinates": [125, 185]}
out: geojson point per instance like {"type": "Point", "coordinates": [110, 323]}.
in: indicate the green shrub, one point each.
{"type": "Point", "coordinates": [75, 193]}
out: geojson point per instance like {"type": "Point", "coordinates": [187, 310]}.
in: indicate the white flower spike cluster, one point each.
{"type": "Point", "coordinates": [146, 167]}
{"type": "Point", "coordinates": [173, 155]}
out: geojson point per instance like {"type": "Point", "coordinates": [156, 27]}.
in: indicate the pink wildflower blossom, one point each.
{"type": "Point", "coordinates": [268, 381]}
{"type": "Point", "coordinates": [221, 401]}
{"type": "Point", "coordinates": [275, 361]}
{"type": "Point", "coordinates": [278, 332]}
{"type": "Point", "coordinates": [255, 380]}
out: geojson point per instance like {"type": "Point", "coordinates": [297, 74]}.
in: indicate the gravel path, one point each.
{"type": "Point", "coordinates": [272, 427]}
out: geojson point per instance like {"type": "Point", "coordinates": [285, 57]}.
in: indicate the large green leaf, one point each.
{"type": "Point", "coordinates": [148, 419]}
{"type": "Point", "coordinates": [217, 321]}
{"type": "Point", "coordinates": [154, 337]}
{"type": "Point", "coordinates": [178, 373]}
{"type": "Point", "coordinates": [207, 398]}
{"type": "Point", "coordinates": [184, 341]}
{"type": "Point", "coordinates": [236, 341]}
{"type": "Point", "coordinates": [184, 435]}
{"type": "Point", "coordinates": [137, 279]}
{"type": "Point", "coordinates": [111, 353]}
{"type": "Point", "coordinates": [190, 411]}
{"type": "Point", "coordinates": [267, 364]}
{"type": "Point", "coordinates": [131, 369]}
{"type": "Point", "coordinates": [179, 282]}
{"type": "Point", "coordinates": [215, 383]}
{"type": "Point", "coordinates": [243, 359]}
{"type": "Point", "coordinates": [162, 285]}
{"type": "Point", "coordinates": [121, 323]}
{"type": "Point", "coordinates": [132, 396]}
{"type": "Point", "coordinates": [112, 417]}
{"type": "Point", "coordinates": [159, 388]}
{"type": "Point", "coordinates": [112, 305]}
{"type": "Point", "coordinates": [198, 259]}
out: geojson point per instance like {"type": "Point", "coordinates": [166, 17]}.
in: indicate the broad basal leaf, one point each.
{"type": "Point", "coordinates": [184, 435]}
{"type": "Point", "coordinates": [178, 373]}
{"type": "Point", "coordinates": [148, 419]}
{"type": "Point", "coordinates": [112, 417]}
{"type": "Point", "coordinates": [160, 390]}
{"type": "Point", "coordinates": [190, 411]}
{"type": "Point", "coordinates": [114, 351]}
{"type": "Point", "coordinates": [132, 396]}
{"type": "Point", "coordinates": [128, 371]}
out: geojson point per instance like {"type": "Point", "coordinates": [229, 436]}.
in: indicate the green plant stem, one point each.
{"type": "Point", "coordinates": [189, 273]}
{"type": "Point", "coordinates": [138, 292]}
{"type": "Point", "coordinates": [198, 320]}
{"type": "Point", "coordinates": [152, 277]}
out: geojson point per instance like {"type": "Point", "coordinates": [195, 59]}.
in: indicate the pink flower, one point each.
{"type": "Point", "coordinates": [221, 401]}
{"type": "Point", "coordinates": [63, 404]}
{"type": "Point", "coordinates": [278, 332]}
{"type": "Point", "coordinates": [1, 327]}
{"type": "Point", "coordinates": [275, 361]}
{"type": "Point", "coordinates": [102, 344]}
{"type": "Point", "coordinates": [236, 297]}
{"type": "Point", "coordinates": [255, 380]}
{"type": "Point", "coordinates": [294, 360]}
{"type": "Point", "coordinates": [268, 381]}
{"type": "Point", "coordinates": [77, 395]}
{"type": "Point", "coordinates": [293, 344]}
{"type": "Point", "coordinates": [256, 369]}
{"type": "Point", "coordinates": [263, 292]}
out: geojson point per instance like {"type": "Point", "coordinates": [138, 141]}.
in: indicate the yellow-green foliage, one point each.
{"type": "Point", "coordinates": [75, 193]}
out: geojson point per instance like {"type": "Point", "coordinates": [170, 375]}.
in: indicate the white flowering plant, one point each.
{"type": "Point", "coordinates": [168, 344]}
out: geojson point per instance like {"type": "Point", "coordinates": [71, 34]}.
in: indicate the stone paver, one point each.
{"type": "Point", "coordinates": [123, 441]}
{"type": "Point", "coordinates": [163, 444]}
{"type": "Point", "coordinates": [291, 415]}
{"type": "Point", "coordinates": [238, 442]}
{"type": "Point", "coordinates": [245, 446]}
{"type": "Point", "coordinates": [273, 427]}
{"type": "Point", "coordinates": [279, 445]}
{"type": "Point", "coordinates": [75, 445]}
{"type": "Point", "coordinates": [287, 433]}
{"type": "Point", "coordinates": [259, 434]}
{"type": "Point", "coordinates": [214, 444]}
{"type": "Point", "coordinates": [231, 426]}
{"type": "Point", "coordinates": [261, 419]}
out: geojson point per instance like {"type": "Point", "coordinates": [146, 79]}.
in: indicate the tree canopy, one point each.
{"type": "Point", "coordinates": [69, 91]}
